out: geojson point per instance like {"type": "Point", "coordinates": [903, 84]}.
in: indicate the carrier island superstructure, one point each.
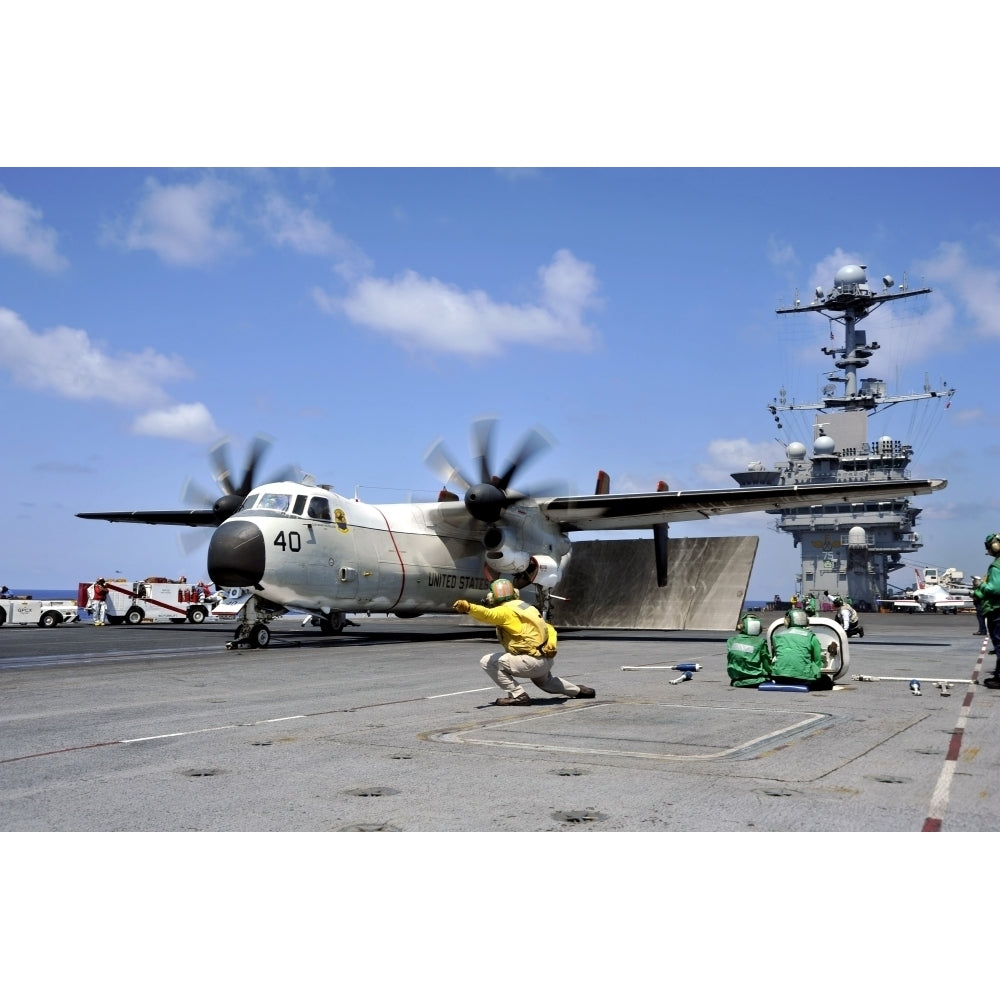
{"type": "Point", "coordinates": [847, 549]}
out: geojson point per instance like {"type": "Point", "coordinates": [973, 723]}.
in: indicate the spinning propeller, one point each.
{"type": "Point", "coordinates": [234, 492]}
{"type": "Point", "coordinates": [487, 499]}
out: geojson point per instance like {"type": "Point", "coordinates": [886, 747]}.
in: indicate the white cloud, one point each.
{"type": "Point", "coordinates": [65, 362]}
{"type": "Point", "coordinates": [185, 421]}
{"type": "Point", "coordinates": [977, 288]}
{"type": "Point", "coordinates": [425, 313]}
{"type": "Point", "coordinates": [734, 455]}
{"type": "Point", "coordinates": [300, 229]}
{"type": "Point", "coordinates": [975, 417]}
{"type": "Point", "coordinates": [180, 222]}
{"type": "Point", "coordinates": [781, 255]}
{"type": "Point", "coordinates": [23, 235]}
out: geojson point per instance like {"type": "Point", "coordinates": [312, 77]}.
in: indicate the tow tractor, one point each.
{"type": "Point", "coordinates": [45, 614]}
{"type": "Point", "coordinates": [154, 599]}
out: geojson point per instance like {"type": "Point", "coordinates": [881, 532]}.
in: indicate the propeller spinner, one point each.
{"type": "Point", "coordinates": [487, 499]}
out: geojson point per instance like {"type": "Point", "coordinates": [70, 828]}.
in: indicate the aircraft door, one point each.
{"type": "Point", "coordinates": [345, 570]}
{"type": "Point", "coordinates": [332, 570]}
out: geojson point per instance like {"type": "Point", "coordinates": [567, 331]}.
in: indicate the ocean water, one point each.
{"type": "Point", "coordinates": [44, 595]}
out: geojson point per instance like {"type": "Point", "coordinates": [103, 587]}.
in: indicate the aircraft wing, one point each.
{"type": "Point", "coordinates": [644, 510]}
{"type": "Point", "coordinates": [194, 518]}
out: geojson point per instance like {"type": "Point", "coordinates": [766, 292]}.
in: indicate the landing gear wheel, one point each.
{"type": "Point", "coordinates": [332, 625]}
{"type": "Point", "coordinates": [260, 637]}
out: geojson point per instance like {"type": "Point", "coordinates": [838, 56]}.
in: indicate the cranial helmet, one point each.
{"type": "Point", "coordinates": [838, 601]}
{"type": "Point", "coordinates": [500, 591]}
{"type": "Point", "coordinates": [750, 625]}
{"type": "Point", "coordinates": [993, 544]}
{"type": "Point", "coordinates": [797, 617]}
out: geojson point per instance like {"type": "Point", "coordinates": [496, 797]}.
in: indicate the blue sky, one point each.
{"type": "Point", "coordinates": [355, 315]}
{"type": "Point", "coordinates": [352, 273]}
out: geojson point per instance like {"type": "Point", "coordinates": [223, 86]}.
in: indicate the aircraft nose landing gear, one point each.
{"type": "Point", "coordinates": [252, 630]}
{"type": "Point", "coordinates": [256, 636]}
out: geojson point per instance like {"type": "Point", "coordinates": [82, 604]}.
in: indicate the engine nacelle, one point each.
{"type": "Point", "coordinates": [547, 574]}
{"type": "Point", "coordinates": [507, 561]}
{"type": "Point", "coordinates": [526, 557]}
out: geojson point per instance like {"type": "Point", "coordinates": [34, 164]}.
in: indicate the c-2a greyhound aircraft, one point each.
{"type": "Point", "coordinates": [301, 545]}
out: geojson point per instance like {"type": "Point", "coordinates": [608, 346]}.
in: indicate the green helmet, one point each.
{"type": "Point", "coordinates": [838, 601]}
{"type": "Point", "coordinates": [750, 624]}
{"type": "Point", "coordinates": [501, 590]}
{"type": "Point", "coordinates": [993, 544]}
{"type": "Point", "coordinates": [797, 617]}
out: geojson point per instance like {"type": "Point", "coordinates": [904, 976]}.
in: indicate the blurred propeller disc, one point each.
{"type": "Point", "coordinates": [234, 490]}
{"type": "Point", "coordinates": [487, 499]}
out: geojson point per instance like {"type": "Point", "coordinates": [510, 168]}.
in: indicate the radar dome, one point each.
{"type": "Point", "coordinates": [850, 274]}
{"type": "Point", "coordinates": [796, 451]}
{"type": "Point", "coordinates": [824, 445]}
{"type": "Point", "coordinates": [857, 538]}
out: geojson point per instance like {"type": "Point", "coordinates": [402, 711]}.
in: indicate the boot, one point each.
{"type": "Point", "coordinates": [521, 699]}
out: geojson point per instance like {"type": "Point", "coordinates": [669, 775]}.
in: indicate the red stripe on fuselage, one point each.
{"type": "Point", "coordinates": [402, 565]}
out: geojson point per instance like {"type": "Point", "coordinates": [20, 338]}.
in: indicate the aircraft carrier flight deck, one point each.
{"type": "Point", "coordinates": [391, 727]}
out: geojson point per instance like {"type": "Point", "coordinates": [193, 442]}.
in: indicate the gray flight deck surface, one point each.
{"type": "Point", "coordinates": [390, 727]}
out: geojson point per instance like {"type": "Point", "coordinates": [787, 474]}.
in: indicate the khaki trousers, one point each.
{"type": "Point", "coordinates": [505, 668]}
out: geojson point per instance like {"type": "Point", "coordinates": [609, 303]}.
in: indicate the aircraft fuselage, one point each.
{"type": "Point", "coordinates": [309, 548]}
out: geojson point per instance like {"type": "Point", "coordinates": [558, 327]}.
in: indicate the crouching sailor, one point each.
{"type": "Point", "coordinates": [529, 644]}
{"type": "Point", "coordinates": [798, 654]}
{"type": "Point", "coordinates": [748, 660]}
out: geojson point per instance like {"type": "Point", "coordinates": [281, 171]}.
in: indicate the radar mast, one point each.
{"type": "Point", "coordinates": [851, 548]}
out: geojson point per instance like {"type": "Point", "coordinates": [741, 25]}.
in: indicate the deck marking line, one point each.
{"type": "Point", "coordinates": [942, 790]}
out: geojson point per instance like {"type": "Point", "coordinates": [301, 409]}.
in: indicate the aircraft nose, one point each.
{"type": "Point", "coordinates": [236, 555]}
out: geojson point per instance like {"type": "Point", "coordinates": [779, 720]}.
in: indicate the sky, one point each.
{"type": "Point", "coordinates": [356, 315]}
{"type": "Point", "coordinates": [597, 247]}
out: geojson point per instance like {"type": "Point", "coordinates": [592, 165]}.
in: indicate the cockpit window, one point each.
{"type": "Point", "coordinates": [274, 501]}
{"type": "Point", "coordinates": [300, 505]}
{"type": "Point", "coordinates": [250, 501]}
{"type": "Point", "coordinates": [319, 509]}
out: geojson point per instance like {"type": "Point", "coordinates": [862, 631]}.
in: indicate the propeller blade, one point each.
{"type": "Point", "coordinates": [290, 473]}
{"type": "Point", "coordinates": [190, 541]}
{"type": "Point", "coordinates": [534, 442]}
{"type": "Point", "coordinates": [482, 446]}
{"type": "Point", "coordinates": [194, 495]}
{"type": "Point", "coordinates": [258, 449]}
{"type": "Point", "coordinates": [440, 463]}
{"type": "Point", "coordinates": [224, 472]}
{"type": "Point", "coordinates": [549, 488]}
{"type": "Point", "coordinates": [219, 457]}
